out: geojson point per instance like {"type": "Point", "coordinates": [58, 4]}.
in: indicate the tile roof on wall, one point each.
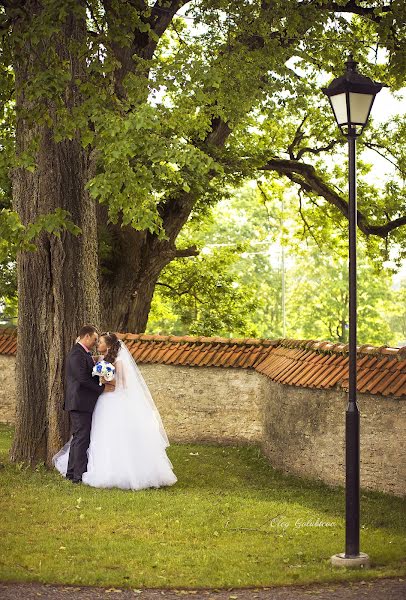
{"type": "Point", "coordinates": [303, 363]}
{"type": "Point", "coordinates": [380, 370]}
{"type": "Point", "coordinates": [8, 341]}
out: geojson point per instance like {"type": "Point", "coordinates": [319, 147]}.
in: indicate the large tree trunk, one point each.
{"type": "Point", "coordinates": [126, 302]}
{"type": "Point", "coordinates": [57, 284]}
{"type": "Point", "coordinates": [128, 277]}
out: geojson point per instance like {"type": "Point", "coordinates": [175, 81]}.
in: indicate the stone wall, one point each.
{"type": "Point", "coordinates": [304, 434]}
{"type": "Point", "coordinates": [208, 404]}
{"type": "Point", "coordinates": [300, 430]}
{"type": "Point", "coordinates": [7, 389]}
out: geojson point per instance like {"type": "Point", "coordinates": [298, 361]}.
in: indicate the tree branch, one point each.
{"type": "Point", "coordinates": [375, 147]}
{"type": "Point", "coordinates": [306, 176]}
{"type": "Point", "coordinates": [352, 7]}
{"type": "Point", "coordinates": [97, 24]}
{"type": "Point", "coordinates": [318, 150]}
{"type": "Point", "coordinates": [184, 252]}
{"type": "Point", "coordinates": [143, 45]}
{"type": "Point", "coordinates": [161, 17]}
{"type": "Point", "coordinates": [299, 135]}
{"type": "Point", "coordinates": [306, 224]}
{"type": "Point", "coordinates": [176, 210]}
{"type": "Point", "coordinates": [178, 293]}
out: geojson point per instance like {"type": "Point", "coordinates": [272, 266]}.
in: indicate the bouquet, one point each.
{"type": "Point", "coordinates": [104, 369]}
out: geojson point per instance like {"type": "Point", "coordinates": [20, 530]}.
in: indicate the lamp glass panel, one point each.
{"type": "Point", "coordinates": [339, 105]}
{"type": "Point", "coordinates": [360, 105]}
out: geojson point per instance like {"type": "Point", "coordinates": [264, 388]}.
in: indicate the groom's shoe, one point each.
{"type": "Point", "coordinates": [76, 480]}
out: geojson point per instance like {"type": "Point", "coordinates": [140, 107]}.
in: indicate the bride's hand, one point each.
{"type": "Point", "coordinates": [109, 385]}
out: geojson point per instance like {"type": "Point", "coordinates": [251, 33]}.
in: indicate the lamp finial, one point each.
{"type": "Point", "coordinates": [351, 64]}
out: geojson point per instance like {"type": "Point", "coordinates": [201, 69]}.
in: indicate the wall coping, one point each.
{"type": "Point", "coordinates": [319, 364]}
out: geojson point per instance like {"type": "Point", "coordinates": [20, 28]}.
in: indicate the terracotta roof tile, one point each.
{"type": "Point", "coordinates": [362, 361]}
{"type": "Point", "coordinates": [366, 377]}
{"type": "Point", "coordinates": [299, 373]}
{"type": "Point", "coordinates": [209, 352]}
{"type": "Point", "coordinates": [375, 383]}
{"type": "Point", "coordinates": [334, 377]}
{"type": "Point", "coordinates": [398, 387]}
{"type": "Point", "coordinates": [283, 368]}
{"type": "Point", "coordinates": [217, 356]}
{"type": "Point", "coordinates": [318, 373]}
{"type": "Point", "coordinates": [389, 378]}
{"type": "Point", "coordinates": [186, 355]}
{"type": "Point", "coordinates": [194, 355]}
{"type": "Point", "coordinates": [168, 353]}
{"type": "Point", "coordinates": [229, 356]}
{"type": "Point", "coordinates": [155, 351]}
{"type": "Point", "coordinates": [401, 366]}
{"type": "Point", "coordinates": [319, 377]}
{"type": "Point", "coordinates": [309, 363]}
{"type": "Point", "coordinates": [8, 340]}
{"type": "Point", "coordinates": [290, 371]}
{"type": "Point", "coordinates": [176, 354]}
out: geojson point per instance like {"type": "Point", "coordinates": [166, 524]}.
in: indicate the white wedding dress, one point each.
{"type": "Point", "coordinates": [127, 438]}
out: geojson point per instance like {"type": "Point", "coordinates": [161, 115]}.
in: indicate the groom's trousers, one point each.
{"type": "Point", "coordinates": [81, 423]}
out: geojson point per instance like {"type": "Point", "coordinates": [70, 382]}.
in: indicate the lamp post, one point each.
{"type": "Point", "coordinates": [351, 97]}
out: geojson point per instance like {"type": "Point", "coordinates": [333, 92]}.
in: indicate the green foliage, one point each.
{"type": "Point", "coordinates": [255, 66]}
{"type": "Point", "coordinates": [318, 299]}
{"type": "Point", "coordinates": [9, 309]}
{"type": "Point", "coordinates": [240, 244]}
{"type": "Point", "coordinates": [209, 295]}
{"type": "Point", "coordinates": [144, 161]}
{"type": "Point", "coordinates": [397, 313]}
{"type": "Point", "coordinates": [14, 236]}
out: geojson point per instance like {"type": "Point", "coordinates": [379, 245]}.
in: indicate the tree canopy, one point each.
{"type": "Point", "coordinates": [176, 106]}
{"type": "Point", "coordinates": [175, 109]}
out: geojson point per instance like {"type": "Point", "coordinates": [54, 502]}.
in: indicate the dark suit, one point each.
{"type": "Point", "coordinates": [81, 393]}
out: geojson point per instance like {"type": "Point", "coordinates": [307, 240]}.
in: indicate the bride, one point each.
{"type": "Point", "coordinates": [127, 438]}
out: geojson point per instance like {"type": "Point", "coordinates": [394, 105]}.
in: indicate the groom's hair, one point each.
{"type": "Point", "coordinates": [87, 329]}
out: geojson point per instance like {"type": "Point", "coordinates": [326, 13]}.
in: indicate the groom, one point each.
{"type": "Point", "coordinates": [81, 393]}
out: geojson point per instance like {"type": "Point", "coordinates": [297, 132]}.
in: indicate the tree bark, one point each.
{"type": "Point", "coordinates": [57, 284]}
{"type": "Point", "coordinates": [128, 277]}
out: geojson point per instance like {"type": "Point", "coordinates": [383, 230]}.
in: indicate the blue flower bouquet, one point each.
{"type": "Point", "coordinates": [104, 369]}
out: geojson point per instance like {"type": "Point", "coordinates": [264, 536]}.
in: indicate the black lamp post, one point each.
{"type": "Point", "coordinates": [351, 97]}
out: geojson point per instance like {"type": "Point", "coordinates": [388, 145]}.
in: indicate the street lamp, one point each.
{"type": "Point", "coordinates": [351, 97]}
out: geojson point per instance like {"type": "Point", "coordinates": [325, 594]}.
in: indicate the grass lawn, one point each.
{"type": "Point", "coordinates": [230, 521]}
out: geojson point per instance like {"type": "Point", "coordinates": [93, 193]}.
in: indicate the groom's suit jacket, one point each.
{"type": "Point", "coordinates": [81, 388]}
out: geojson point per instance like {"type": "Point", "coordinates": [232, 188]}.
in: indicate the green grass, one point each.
{"type": "Point", "coordinates": [229, 521]}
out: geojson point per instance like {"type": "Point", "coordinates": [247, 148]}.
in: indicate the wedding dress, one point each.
{"type": "Point", "coordinates": [127, 438]}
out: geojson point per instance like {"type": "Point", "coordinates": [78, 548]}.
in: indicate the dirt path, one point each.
{"type": "Point", "coordinates": [378, 589]}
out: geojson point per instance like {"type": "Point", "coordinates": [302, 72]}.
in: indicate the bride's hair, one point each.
{"type": "Point", "coordinates": [113, 344]}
